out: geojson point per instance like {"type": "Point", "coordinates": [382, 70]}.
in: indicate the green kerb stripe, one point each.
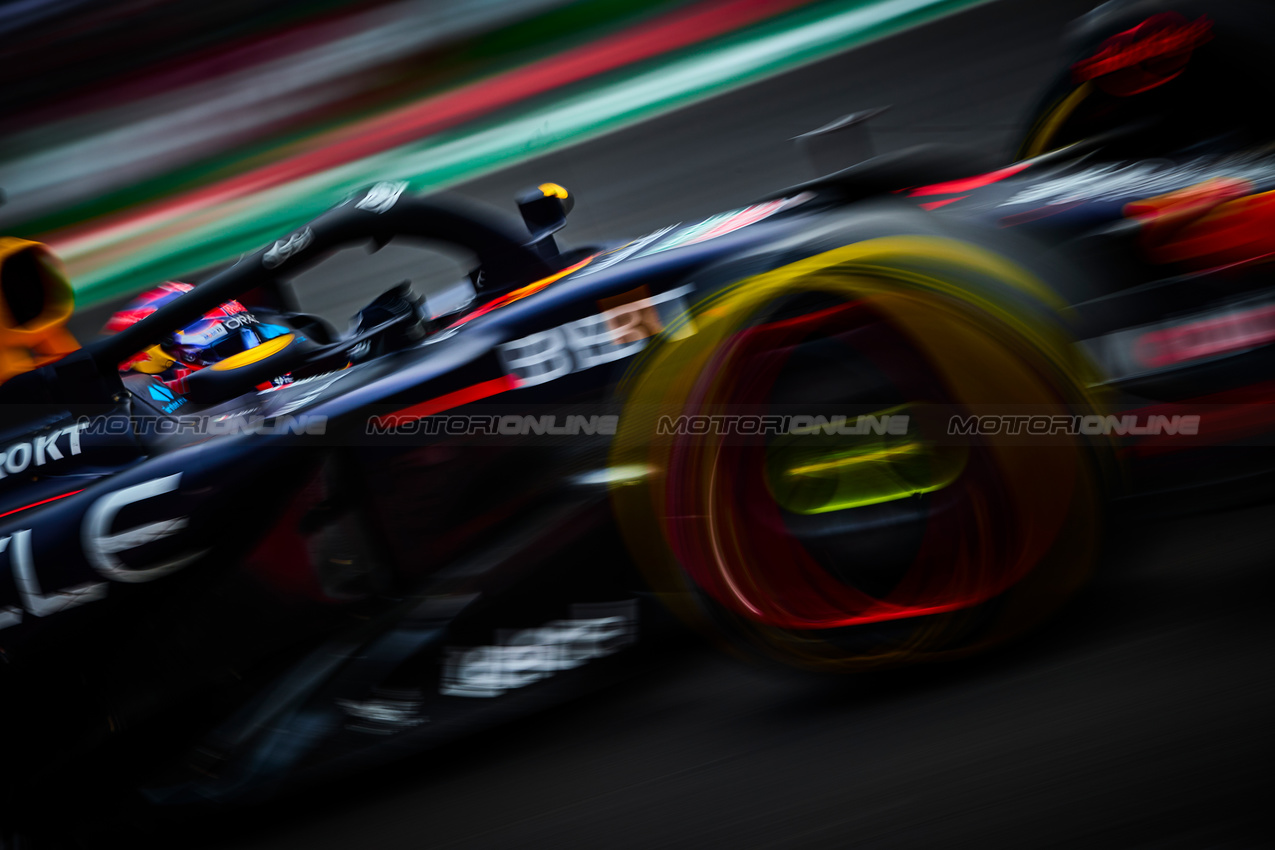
{"type": "Point", "coordinates": [450, 158]}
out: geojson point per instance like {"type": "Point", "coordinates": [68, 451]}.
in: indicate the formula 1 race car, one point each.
{"type": "Point", "coordinates": [876, 418]}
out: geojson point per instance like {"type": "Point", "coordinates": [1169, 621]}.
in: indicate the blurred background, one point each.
{"type": "Point", "coordinates": [144, 140]}
{"type": "Point", "coordinates": [150, 139]}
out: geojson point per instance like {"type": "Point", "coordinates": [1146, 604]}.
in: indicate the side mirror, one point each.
{"type": "Point", "coordinates": [544, 210]}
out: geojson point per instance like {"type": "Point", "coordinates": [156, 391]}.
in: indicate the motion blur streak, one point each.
{"type": "Point", "coordinates": [192, 107]}
{"type": "Point", "coordinates": [166, 243]}
{"type": "Point", "coordinates": [712, 512]}
{"type": "Point", "coordinates": [468, 102]}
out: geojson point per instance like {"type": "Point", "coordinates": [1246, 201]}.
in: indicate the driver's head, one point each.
{"type": "Point", "coordinates": [221, 332]}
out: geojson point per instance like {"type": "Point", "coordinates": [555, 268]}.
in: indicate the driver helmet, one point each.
{"type": "Point", "coordinates": [222, 332]}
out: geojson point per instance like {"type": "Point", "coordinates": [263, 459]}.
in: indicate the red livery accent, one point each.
{"type": "Point", "coordinates": [41, 502]}
{"type": "Point", "coordinates": [1149, 55]}
{"type": "Point", "coordinates": [933, 205]}
{"type": "Point", "coordinates": [968, 184]}
{"type": "Point", "coordinates": [477, 392]}
{"type": "Point", "coordinates": [1208, 234]}
{"type": "Point", "coordinates": [1207, 338]}
{"type": "Point", "coordinates": [519, 294]}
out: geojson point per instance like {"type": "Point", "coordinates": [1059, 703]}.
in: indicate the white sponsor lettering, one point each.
{"type": "Point", "coordinates": [18, 457]}
{"type": "Point", "coordinates": [382, 196]}
{"type": "Point", "coordinates": [100, 545]}
{"type": "Point", "coordinates": [384, 715]}
{"type": "Point", "coordinates": [1113, 182]}
{"type": "Point", "coordinates": [623, 252]}
{"type": "Point", "coordinates": [592, 341]}
{"type": "Point", "coordinates": [538, 358]}
{"type": "Point", "coordinates": [204, 337]}
{"type": "Point", "coordinates": [33, 599]}
{"type": "Point", "coordinates": [527, 656]}
{"type": "Point", "coordinates": [304, 392]}
{"type": "Point", "coordinates": [283, 249]}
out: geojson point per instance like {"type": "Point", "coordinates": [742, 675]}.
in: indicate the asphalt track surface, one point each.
{"type": "Point", "coordinates": [1139, 717]}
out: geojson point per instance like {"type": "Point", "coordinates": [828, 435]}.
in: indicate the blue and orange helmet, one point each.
{"type": "Point", "coordinates": [221, 333]}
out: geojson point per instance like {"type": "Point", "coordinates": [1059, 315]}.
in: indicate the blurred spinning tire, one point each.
{"type": "Point", "coordinates": [851, 544]}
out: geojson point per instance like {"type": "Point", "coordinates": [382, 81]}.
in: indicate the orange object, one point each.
{"type": "Point", "coordinates": [36, 304]}
{"type": "Point", "coordinates": [1211, 224]}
